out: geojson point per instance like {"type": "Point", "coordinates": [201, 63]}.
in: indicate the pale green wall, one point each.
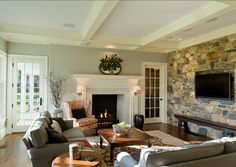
{"type": "Point", "coordinates": [3, 45]}
{"type": "Point", "coordinates": [74, 59]}
{"type": "Point", "coordinates": [28, 49]}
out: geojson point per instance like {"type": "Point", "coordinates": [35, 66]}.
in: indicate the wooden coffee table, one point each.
{"type": "Point", "coordinates": [64, 160]}
{"type": "Point", "coordinates": [134, 136]}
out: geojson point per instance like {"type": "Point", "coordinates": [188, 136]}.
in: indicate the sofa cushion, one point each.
{"type": "Point", "coordinates": [78, 113]}
{"type": "Point", "coordinates": [61, 122]}
{"type": "Point", "coordinates": [216, 161]}
{"type": "Point", "coordinates": [73, 133]}
{"type": "Point", "coordinates": [47, 116]}
{"type": "Point", "coordinates": [172, 157]}
{"type": "Point", "coordinates": [38, 133]}
{"type": "Point", "coordinates": [230, 147]}
{"type": "Point", "coordinates": [55, 137]}
{"type": "Point", "coordinates": [229, 143]}
{"type": "Point", "coordinates": [55, 125]}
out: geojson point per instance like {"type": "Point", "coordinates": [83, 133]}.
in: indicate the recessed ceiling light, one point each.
{"type": "Point", "coordinates": [180, 39]}
{"type": "Point", "coordinates": [213, 19]}
{"type": "Point", "coordinates": [68, 25]}
{"type": "Point", "coordinates": [110, 47]}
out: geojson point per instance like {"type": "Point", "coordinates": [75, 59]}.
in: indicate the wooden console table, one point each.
{"type": "Point", "coordinates": [225, 128]}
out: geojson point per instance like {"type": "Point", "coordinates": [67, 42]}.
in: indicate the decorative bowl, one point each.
{"type": "Point", "coordinates": [121, 128]}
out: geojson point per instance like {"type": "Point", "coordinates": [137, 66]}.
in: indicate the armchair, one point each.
{"type": "Point", "coordinates": [86, 124]}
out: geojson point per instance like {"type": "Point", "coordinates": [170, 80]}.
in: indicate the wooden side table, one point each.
{"type": "Point", "coordinates": [65, 161]}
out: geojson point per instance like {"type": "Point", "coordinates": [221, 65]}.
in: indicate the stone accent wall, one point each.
{"type": "Point", "coordinates": [181, 94]}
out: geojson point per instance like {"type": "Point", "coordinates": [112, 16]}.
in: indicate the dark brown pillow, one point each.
{"type": "Point", "coordinates": [79, 113]}
{"type": "Point", "coordinates": [61, 122]}
{"type": "Point", "coordinates": [55, 137]}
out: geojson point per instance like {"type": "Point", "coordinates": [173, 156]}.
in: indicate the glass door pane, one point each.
{"type": "Point", "coordinates": [152, 92]}
{"type": "Point", "coordinates": [27, 93]}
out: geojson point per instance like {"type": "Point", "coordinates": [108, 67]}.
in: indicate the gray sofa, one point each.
{"type": "Point", "coordinates": [41, 152]}
{"type": "Point", "coordinates": [217, 153]}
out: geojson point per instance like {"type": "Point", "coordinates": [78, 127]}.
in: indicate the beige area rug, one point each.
{"type": "Point", "coordinates": [166, 138]}
{"type": "Point", "coordinates": [160, 139]}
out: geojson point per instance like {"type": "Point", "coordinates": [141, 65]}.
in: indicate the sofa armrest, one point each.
{"type": "Point", "coordinates": [69, 123]}
{"type": "Point", "coordinates": [126, 160]}
{"type": "Point", "coordinates": [48, 151]}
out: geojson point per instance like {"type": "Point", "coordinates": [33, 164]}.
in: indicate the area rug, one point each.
{"type": "Point", "coordinates": [165, 138]}
{"type": "Point", "coordinates": [160, 139]}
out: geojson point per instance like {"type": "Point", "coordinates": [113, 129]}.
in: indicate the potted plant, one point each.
{"type": "Point", "coordinates": [55, 83]}
{"type": "Point", "coordinates": [110, 64]}
{"type": "Point", "coordinates": [121, 128]}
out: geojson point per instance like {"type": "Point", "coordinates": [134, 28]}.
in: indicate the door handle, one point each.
{"type": "Point", "coordinates": [41, 101]}
{"type": "Point", "coordinates": [160, 99]}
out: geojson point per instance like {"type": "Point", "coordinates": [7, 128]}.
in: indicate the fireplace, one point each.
{"type": "Point", "coordinates": [104, 107]}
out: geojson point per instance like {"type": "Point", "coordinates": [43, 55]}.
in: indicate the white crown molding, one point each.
{"type": "Point", "coordinates": [117, 46]}
{"type": "Point", "coordinates": [196, 17]}
{"type": "Point", "coordinates": [36, 39]}
{"type": "Point", "coordinates": [9, 28]}
{"type": "Point", "coordinates": [228, 30]}
{"type": "Point", "coordinates": [162, 46]}
{"type": "Point", "coordinates": [98, 14]}
{"type": "Point", "coordinates": [109, 40]}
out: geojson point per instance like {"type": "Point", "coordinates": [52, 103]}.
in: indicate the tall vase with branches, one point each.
{"type": "Point", "coordinates": [55, 83]}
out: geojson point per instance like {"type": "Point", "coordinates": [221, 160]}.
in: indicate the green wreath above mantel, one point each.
{"type": "Point", "coordinates": [110, 65]}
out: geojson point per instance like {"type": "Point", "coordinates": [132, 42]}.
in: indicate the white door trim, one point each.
{"type": "Point", "coordinates": [11, 58]}
{"type": "Point", "coordinates": [3, 75]}
{"type": "Point", "coordinates": [163, 90]}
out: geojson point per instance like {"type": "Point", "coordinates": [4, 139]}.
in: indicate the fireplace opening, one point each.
{"type": "Point", "coordinates": [104, 107]}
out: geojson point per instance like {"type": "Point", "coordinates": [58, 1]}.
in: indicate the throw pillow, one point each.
{"type": "Point", "coordinates": [61, 122]}
{"type": "Point", "coordinates": [55, 125]}
{"type": "Point", "coordinates": [79, 113]}
{"type": "Point", "coordinates": [55, 137]}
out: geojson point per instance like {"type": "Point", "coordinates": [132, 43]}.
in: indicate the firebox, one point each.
{"type": "Point", "coordinates": [104, 107]}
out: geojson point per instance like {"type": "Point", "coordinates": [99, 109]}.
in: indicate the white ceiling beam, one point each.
{"type": "Point", "coordinates": [192, 19]}
{"type": "Point", "coordinates": [98, 14]}
{"type": "Point", "coordinates": [228, 30]}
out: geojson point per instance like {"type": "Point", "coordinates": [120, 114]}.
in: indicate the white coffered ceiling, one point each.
{"type": "Point", "coordinates": [155, 26]}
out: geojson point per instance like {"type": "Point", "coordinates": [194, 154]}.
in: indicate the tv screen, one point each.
{"type": "Point", "coordinates": [217, 85]}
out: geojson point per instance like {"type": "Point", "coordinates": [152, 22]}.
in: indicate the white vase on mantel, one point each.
{"type": "Point", "coordinates": [57, 113]}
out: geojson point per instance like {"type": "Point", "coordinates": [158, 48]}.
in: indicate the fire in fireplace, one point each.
{"type": "Point", "coordinates": [104, 107]}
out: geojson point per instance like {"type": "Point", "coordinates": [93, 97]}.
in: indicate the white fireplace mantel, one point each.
{"type": "Point", "coordinates": [122, 85]}
{"type": "Point", "coordinates": [107, 81]}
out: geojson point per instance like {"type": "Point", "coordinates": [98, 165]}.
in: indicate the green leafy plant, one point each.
{"type": "Point", "coordinates": [110, 63]}
{"type": "Point", "coordinates": [122, 125]}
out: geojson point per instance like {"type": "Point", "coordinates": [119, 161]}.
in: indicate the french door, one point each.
{"type": "Point", "coordinates": [155, 92]}
{"type": "Point", "coordinates": [28, 90]}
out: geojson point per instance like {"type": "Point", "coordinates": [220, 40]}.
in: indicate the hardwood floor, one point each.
{"type": "Point", "coordinates": [14, 154]}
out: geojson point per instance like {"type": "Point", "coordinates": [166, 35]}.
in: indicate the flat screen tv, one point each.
{"type": "Point", "coordinates": [214, 85]}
